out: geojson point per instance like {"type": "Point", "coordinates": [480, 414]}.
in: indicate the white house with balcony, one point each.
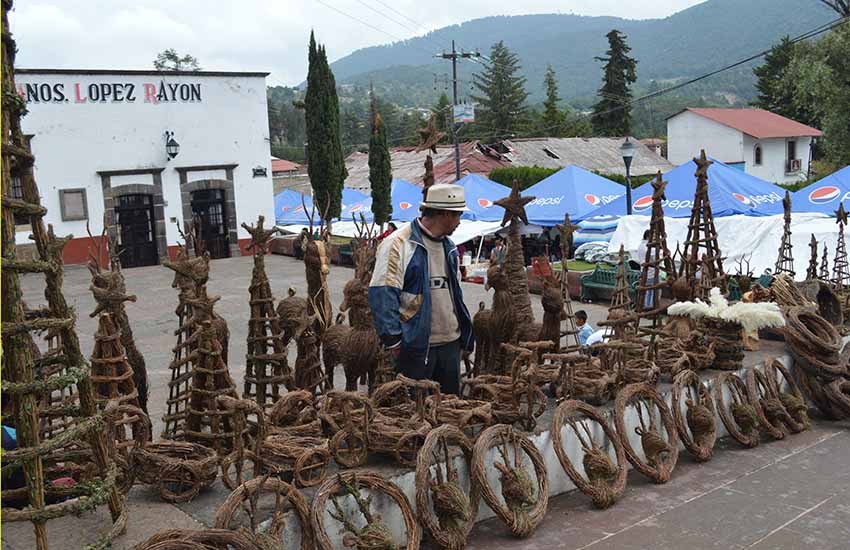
{"type": "Point", "coordinates": [761, 143]}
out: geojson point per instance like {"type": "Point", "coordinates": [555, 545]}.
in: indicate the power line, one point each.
{"type": "Point", "coordinates": [397, 22]}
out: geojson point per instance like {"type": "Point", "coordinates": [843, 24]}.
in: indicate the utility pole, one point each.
{"type": "Point", "coordinates": [454, 56]}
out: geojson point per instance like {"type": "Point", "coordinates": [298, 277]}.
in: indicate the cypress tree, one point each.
{"type": "Point", "coordinates": [773, 92]}
{"type": "Point", "coordinates": [501, 107]}
{"type": "Point", "coordinates": [380, 168]}
{"type": "Point", "coordinates": [325, 161]}
{"type": "Point", "coordinates": [618, 75]}
{"type": "Point", "coordinates": [553, 119]}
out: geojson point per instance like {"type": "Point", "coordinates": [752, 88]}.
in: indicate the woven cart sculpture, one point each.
{"type": "Point", "coordinates": [604, 479]}
{"type": "Point", "coordinates": [697, 426]}
{"type": "Point", "coordinates": [582, 377]}
{"type": "Point", "coordinates": [363, 528]}
{"type": "Point", "coordinates": [446, 509]}
{"type": "Point", "coordinates": [180, 470]}
{"type": "Point", "coordinates": [661, 451]}
{"type": "Point", "coordinates": [267, 372]}
{"type": "Point", "coordinates": [85, 443]}
{"type": "Point", "coordinates": [739, 416]}
{"type": "Point", "coordinates": [524, 498]}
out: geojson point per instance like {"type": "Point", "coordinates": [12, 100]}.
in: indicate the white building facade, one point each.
{"type": "Point", "coordinates": [99, 139]}
{"type": "Point", "coordinates": [765, 145]}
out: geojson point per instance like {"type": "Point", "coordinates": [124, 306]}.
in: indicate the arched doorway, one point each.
{"type": "Point", "coordinates": [209, 206]}
{"type": "Point", "coordinates": [136, 230]}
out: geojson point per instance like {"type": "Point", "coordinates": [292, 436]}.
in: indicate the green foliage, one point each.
{"type": "Point", "coordinates": [287, 127]}
{"type": "Point", "coordinates": [170, 60]}
{"type": "Point", "coordinates": [442, 110]}
{"type": "Point", "coordinates": [526, 176]}
{"type": "Point", "coordinates": [380, 169]}
{"type": "Point", "coordinates": [773, 94]}
{"type": "Point", "coordinates": [502, 106]}
{"type": "Point", "coordinates": [326, 164]}
{"type": "Point", "coordinates": [637, 181]}
{"type": "Point", "coordinates": [618, 76]}
{"type": "Point", "coordinates": [552, 121]}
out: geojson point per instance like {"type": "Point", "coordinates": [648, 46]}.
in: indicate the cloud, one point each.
{"type": "Point", "coordinates": [254, 35]}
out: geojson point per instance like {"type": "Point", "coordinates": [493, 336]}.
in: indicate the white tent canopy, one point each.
{"type": "Point", "coordinates": [750, 238]}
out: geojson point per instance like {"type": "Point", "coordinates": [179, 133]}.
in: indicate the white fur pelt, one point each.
{"type": "Point", "coordinates": [751, 317]}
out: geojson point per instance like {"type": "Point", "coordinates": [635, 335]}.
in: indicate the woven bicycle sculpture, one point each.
{"type": "Point", "coordinates": [260, 509]}
{"type": "Point", "coordinates": [524, 500]}
{"type": "Point", "coordinates": [202, 539]}
{"type": "Point", "coordinates": [375, 534]}
{"type": "Point", "coordinates": [445, 508]}
{"type": "Point", "coordinates": [178, 469]}
{"type": "Point", "coordinates": [582, 377]}
{"type": "Point", "coordinates": [471, 416]}
{"type": "Point", "coordinates": [661, 453]}
{"type": "Point", "coordinates": [604, 480]}
{"type": "Point", "coordinates": [739, 417]}
{"type": "Point", "coordinates": [697, 426]}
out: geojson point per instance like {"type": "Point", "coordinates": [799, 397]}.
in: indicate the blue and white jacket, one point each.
{"type": "Point", "coordinates": [400, 296]}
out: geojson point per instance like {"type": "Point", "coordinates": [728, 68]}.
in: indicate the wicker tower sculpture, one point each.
{"type": "Point", "coordinates": [812, 269]}
{"type": "Point", "coordinates": [840, 272]}
{"type": "Point", "coordinates": [267, 372]}
{"type": "Point", "coordinates": [619, 313]}
{"type": "Point", "coordinates": [823, 275]}
{"type": "Point", "coordinates": [657, 261]}
{"type": "Point", "coordinates": [514, 205]}
{"type": "Point", "coordinates": [567, 229]}
{"type": "Point", "coordinates": [702, 234]}
{"type": "Point", "coordinates": [25, 383]}
{"type": "Point", "coordinates": [785, 260]}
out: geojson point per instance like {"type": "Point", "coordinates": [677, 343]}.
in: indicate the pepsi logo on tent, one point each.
{"type": "Point", "coordinates": [299, 209]}
{"type": "Point", "coordinates": [592, 199]}
{"type": "Point", "coordinates": [743, 199]}
{"type": "Point", "coordinates": [285, 208]}
{"type": "Point", "coordinates": [485, 203]}
{"type": "Point", "coordinates": [824, 194]}
{"type": "Point", "coordinates": [404, 205]}
{"type": "Point", "coordinates": [642, 203]}
{"type": "Point", "coordinates": [357, 208]}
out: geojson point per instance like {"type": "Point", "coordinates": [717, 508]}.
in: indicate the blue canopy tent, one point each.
{"type": "Point", "coordinates": [480, 195]}
{"type": "Point", "coordinates": [406, 199]}
{"type": "Point", "coordinates": [730, 191]}
{"type": "Point", "coordinates": [570, 190]}
{"type": "Point", "coordinates": [825, 195]}
{"type": "Point", "coordinates": [289, 210]}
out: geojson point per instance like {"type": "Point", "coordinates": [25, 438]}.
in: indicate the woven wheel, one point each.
{"type": "Point", "coordinates": [746, 435]}
{"type": "Point", "coordinates": [206, 539]}
{"type": "Point", "coordinates": [452, 530]}
{"type": "Point", "coordinates": [792, 398]}
{"type": "Point", "coordinates": [310, 467]}
{"type": "Point", "coordinates": [766, 400]}
{"type": "Point", "coordinates": [349, 449]}
{"type": "Point", "coordinates": [235, 472]}
{"type": "Point", "coordinates": [657, 468]}
{"type": "Point", "coordinates": [241, 510]}
{"type": "Point", "coordinates": [814, 391]}
{"type": "Point", "coordinates": [603, 492]}
{"type": "Point", "coordinates": [698, 426]}
{"type": "Point", "coordinates": [375, 483]}
{"type": "Point", "coordinates": [521, 505]}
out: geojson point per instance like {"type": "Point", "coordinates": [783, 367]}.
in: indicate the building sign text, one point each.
{"type": "Point", "coordinates": [112, 92]}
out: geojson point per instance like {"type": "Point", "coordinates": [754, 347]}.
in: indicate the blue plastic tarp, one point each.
{"type": "Point", "coordinates": [730, 192]}
{"type": "Point", "coordinates": [406, 199]}
{"type": "Point", "coordinates": [480, 194]}
{"type": "Point", "coordinates": [824, 195]}
{"type": "Point", "coordinates": [571, 190]}
{"type": "Point", "coordinates": [289, 210]}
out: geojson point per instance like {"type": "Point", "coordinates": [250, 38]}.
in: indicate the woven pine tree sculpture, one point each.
{"type": "Point", "coordinates": [111, 371]}
{"type": "Point", "coordinates": [656, 261]}
{"type": "Point", "coordinates": [840, 273]}
{"type": "Point", "coordinates": [785, 260]}
{"type": "Point", "coordinates": [567, 229]}
{"type": "Point", "coordinates": [267, 372]}
{"type": "Point", "coordinates": [824, 266]}
{"type": "Point", "coordinates": [24, 383]}
{"type": "Point", "coordinates": [619, 313]}
{"type": "Point", "coordinates": [514, 205]}
{"type": "Point", "coordinates": [812, 269]}
{"type": "Point", "coordinates": [702, 234]}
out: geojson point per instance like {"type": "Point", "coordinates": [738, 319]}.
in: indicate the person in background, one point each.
{"type": "Point", "coordinates": [390, 230]}
{"type": "Point", "coordinates": [497, 255]}
{"type": "Point", "coordinates": [584, 328]}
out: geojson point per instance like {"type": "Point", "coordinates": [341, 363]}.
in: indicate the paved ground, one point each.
{"type": "Point", "coordinates": [783, 494]}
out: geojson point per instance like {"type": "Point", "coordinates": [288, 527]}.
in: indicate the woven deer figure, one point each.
{"type": "Point", "coordinates": [502, 319]}
{"type": "Point", "coordinates": [553, 311]}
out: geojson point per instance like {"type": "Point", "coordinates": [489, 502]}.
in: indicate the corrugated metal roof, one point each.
{"type": "Point", "coordinates": [757, 122]}
{"type": "Point", "coordinates": [593, 154]}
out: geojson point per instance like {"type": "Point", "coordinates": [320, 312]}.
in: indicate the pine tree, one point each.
{"type": "Point", "coordinates": [325, 162]}
{"type": "Point", "coordinates": [553, 119]}
{"type": "Point", "coordinates": [443, 110]}
{"type": "Point", "coordinates": [501, 107]}
{"type": "Point", "coordinates": [618, 75]}
{"type": "Point", "coordinates": [774, 95]}
{"type": "Point", "coordinates": [380, 168]}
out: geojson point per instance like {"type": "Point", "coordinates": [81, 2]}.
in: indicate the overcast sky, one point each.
{"type": "Point", "coordinates": [256, 35]}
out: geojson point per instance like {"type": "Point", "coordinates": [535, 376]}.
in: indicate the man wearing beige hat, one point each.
{"type": "Point", "coordinates": [415, 295]}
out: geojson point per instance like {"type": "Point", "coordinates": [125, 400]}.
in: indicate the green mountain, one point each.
{"type": "Point", "coordinates": [691, 42]}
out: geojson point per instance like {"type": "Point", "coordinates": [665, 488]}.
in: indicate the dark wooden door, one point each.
{"type": "Point", "coordinates": [136, 230]}
{"type": "Point", "coordinates": [208, 205]}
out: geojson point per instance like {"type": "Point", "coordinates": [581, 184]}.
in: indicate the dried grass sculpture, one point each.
{"type": "Point", "coordinates": [696, 424]}
{"type": "Point", "coordinates": [567, 229]}
{"type": "Point", "coordinates": [267, 371]}
{"type": "Point", "coordinates": [524, 499]}
{"type": "Point", "coordinates": [702, 234]}
{"type": "Point", "coordinates": [397, 432]}
{"type": "Point", "coordinates": [739, 416]}
{"type": "Point", "coordinates": [374, 534]}
{"type": "Point", "coordinates": [789, 393]}
{"type": "Point", "coordinates": [770, 412]}
{"type": "Point", "coordinates": [661, 452]}
{"type": "Point", "coordinates": [785, 259]}
{"type": "Point", "coordinates": [25, 382]}
{"type": "Point", "coordinates": [203, 539]}
{"type": "Point", "coordinates": [179, 469]}
{"type": "Point", "coordinates": [259, 510]}
{"type": "Point", "coordinates": [619, 321]}
{"type": "Point", "coordinates": [500, 326]}
{"type": "Point", "coordinates": [111, 372]}
{"type": "Point", "coordinates": [471, 416]}
{"type": "Point", "coordinates": [815, 344]}
{"type": "Point", "coordinates": [346, 417]}
{"type": "Point", "coordinates": [445, 509]}
{"type": "Point", "coordinates": [514, 266]}
{"type": "Point", "coordinates": [840, 271]}
{"type": "Point", "coordinates": [317, 265]}
{"type": "Point", "coordinates": [603, 480]}
{"type": "Point", "coordinates": [295, 414]}
{"type": "Point", "coordinates": [582, 377]}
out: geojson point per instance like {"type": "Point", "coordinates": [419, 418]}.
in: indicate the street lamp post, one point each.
{"type": "Point", "coordinates": [628, 151]}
